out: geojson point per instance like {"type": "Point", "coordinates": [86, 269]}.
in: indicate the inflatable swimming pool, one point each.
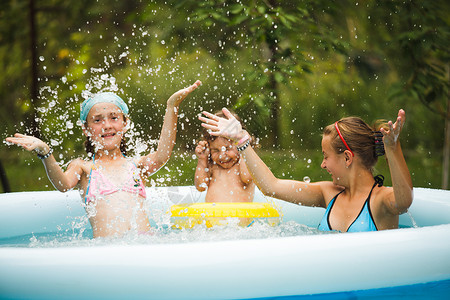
{"type": "Point", "coordinates": [325, 265]}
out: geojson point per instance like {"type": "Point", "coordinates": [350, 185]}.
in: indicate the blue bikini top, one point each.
{"type": "Point", "coordinates": [363, 222]}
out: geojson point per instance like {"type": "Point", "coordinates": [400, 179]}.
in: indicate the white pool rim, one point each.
{"type": "Point", "coordinates": [240, 269]}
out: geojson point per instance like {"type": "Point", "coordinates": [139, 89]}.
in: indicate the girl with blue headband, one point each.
{"type": "Point", "coordinates": [354, 200]}
{"type": "Point", "coordinates": [111, 184]}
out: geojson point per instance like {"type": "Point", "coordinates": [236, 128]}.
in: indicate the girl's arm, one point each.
{"type": "Point", "coordinates": [299, 192]}
{"type": "Point", "coordinates": [310, 194]}
{"type": "Point", "coordinates": [62, 181]}
{"type": "Point", "coordinates": [154, 161]}
{"type": "Point", "coordinates": [401, 198]}
{"type": "Point", "coordinates": [203, 171]}
{"type": "Point", "coordinates": [246, 177]}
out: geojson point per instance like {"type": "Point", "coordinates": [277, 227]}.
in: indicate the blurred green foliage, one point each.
{"type": "Point", "coordinates": [288, 68]}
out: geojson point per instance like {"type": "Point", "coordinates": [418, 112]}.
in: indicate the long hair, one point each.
{"type": "Point", "coordinates": [361, 138]}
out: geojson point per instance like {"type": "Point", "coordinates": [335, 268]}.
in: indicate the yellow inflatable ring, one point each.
{"type": "Point", "coordinates": [211, 214]}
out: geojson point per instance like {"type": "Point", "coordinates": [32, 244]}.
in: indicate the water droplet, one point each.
{"type": "Point", "coordinates": [41, 58]}
{"type": "Point", "coordinates": [306, 179]}
{"type": "Point", "coordinates": [69, 125]}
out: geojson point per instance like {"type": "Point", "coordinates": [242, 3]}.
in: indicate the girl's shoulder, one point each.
{"type": "Point", "coordinates": [136, 159]}
{"type": "Point", "coordinates": [384, 202]}
{"type": "Point", "coordinates": [85, 165]}
{"type": "Point", "coordinates": [329, 190]}
{"type": "Point", "coordinates": [383, 192]}
{"type": "Point", "coordinates": [141, 162]}
{"type": "Point", "coordinates": [384, 195]}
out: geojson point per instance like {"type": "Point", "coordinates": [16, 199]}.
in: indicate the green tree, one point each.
{"type": "Point", "coordinates": [272, 31]}
{"type": "Point", "coordinates": [417, 34]}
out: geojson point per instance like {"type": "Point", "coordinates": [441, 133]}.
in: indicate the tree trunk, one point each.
{"type": "Point", "coordinates": [275, 104]}
{"type": "Point", "coordinates": [4, 179]}
{"type": "Point", "coordinates": [446, 154]}
{"type": "Point", "coordinates": [273, 88]}
{"type": "Point", "coordinates": [32, 118]}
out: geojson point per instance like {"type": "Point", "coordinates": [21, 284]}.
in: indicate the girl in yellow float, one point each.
{"type": "Point", "coordinates": [111, 184]}
{"type": "Point", "coordinates": [354, 199]}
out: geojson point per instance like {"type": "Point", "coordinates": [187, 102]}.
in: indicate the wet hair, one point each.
{"type": "Point", "coordinates": [90, 148]}
{"type": "Point", "coordinates": [362, 139]}
{"type": "Point", "coordinates": [210, 138]}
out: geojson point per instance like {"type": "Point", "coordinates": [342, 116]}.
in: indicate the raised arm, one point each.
{"type": "Point", "coordinates": [299, 192]}
{"type": "Point", "coordinates": [244, 173]}
{"type": "Point", "coordinates": [203, 171]}
{"type": "Point", "coordinates": [154, 161]}
{"type": "Point", "coordinates": [62, 181]}
{"type": "Point", "coordinates": [401, 198]}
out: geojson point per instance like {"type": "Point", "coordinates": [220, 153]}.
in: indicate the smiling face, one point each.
{"type": "Point", "coordinates": [105, 125]}
{"type": "Point", "coordinates": [223, 152]}
{"type": "Point", "coordinates": [333, 162]}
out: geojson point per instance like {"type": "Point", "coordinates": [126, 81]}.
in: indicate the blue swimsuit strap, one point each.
{"type": "Point", "coordinates": [330, 206]}
{"type": "Point", "coordinates": [379, 180]}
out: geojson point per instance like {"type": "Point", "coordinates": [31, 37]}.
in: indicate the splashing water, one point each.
{"type": "Point", "coordinates": [151, 77]}
{"type": "Point", "coordinates": [78, 233]}
{"type": "Point", "coordinates": [414, 223]}
{"type": "Point", "coordinates": [166, 235]}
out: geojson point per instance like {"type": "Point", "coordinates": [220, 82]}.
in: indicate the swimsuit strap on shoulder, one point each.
{"type": "Point", "coordinates": [379, 179]}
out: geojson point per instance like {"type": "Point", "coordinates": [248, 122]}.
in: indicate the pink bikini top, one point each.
{"type": "Point", "coordinates": [99, 185]}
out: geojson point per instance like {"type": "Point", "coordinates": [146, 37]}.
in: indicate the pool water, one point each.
{"type": "Point", "coordinates": [81, 237]}
{"type": "Point", "coordinates": [438, 290]}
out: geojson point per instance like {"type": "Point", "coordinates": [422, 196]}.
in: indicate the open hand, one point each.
{"type": "Point", "coordinates": [229, 128]}
{"type": "Point", "coordinates": [390, 136]}
{"type": "Point", "coordinates": [178, 97]}
{"type": "Point", "coordinates": [29, 143]}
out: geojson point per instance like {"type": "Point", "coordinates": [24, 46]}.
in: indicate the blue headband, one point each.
{"type": "Point", "coordinates": [106, 97]}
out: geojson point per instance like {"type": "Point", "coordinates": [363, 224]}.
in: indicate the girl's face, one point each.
{"type": "Point", "coordinates": [105, 125]}
{"type": "Point", "coordinates": [333, 162]}
{"type": "Point", "coordinates": [223, 152]}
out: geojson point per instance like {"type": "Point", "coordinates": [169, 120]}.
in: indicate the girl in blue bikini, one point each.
{"type": "Point", "coordinates": [111, 184]}
{"type": "Point", "coordinates": [354, 199]}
